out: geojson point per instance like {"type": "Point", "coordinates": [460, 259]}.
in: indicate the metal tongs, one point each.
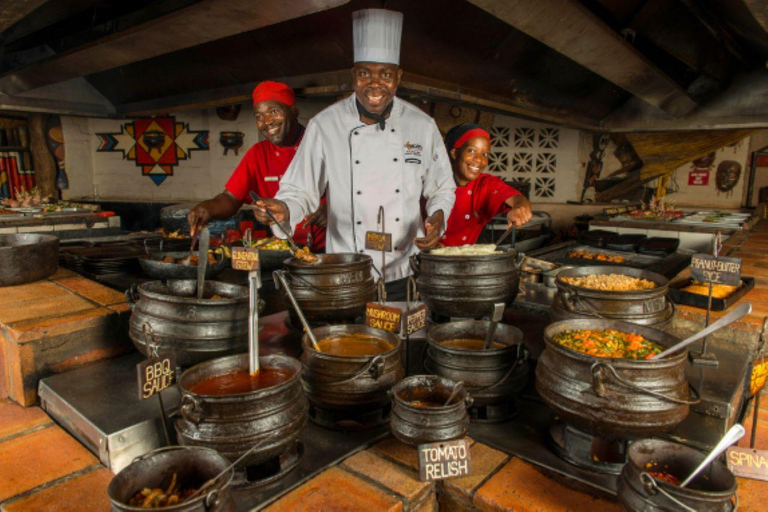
{"type": "Point", "coordinates": [289, 238]}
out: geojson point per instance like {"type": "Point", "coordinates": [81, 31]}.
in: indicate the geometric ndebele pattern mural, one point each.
{"type": "Point", "coordinates": [155, 144]}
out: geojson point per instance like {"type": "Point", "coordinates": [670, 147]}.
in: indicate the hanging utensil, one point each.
{"type": "Point", "coordinates": [505, 235]}
{"type": "Point", "coordinates": [279, 276]}
{"type": "Point", "coordinates": [735, 433]}
{"type": "Point", "coordinates": [455, 392]}
{"type": "Point", "coordinates": [294, 247]}
{"type": "Point", "coordinates": [739, 312]}
{"type": "Point", "coordinates": [202, 260]}
{"type": "Point", "coordinates": [498, 313]}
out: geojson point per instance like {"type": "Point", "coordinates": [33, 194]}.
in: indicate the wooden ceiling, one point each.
{"type": "Point", "coordinates": [614, 65]}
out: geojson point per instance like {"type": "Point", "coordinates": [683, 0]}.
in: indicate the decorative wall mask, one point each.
{"type": "Point", "coordinates": [727, 176]}
{"type": "Point", "coordinates": [156, 144]}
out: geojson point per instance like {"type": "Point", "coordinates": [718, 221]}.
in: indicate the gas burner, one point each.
{"type": "Point", "coordinates": [498, 413]}
{"type": "Point", "coordinates": [349, 420]}
{"type": "Point", "coordinates": [269, 471]}
{"type": "Point", "coordinates": [587, 451]}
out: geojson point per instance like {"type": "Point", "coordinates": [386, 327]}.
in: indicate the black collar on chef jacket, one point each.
{"type": "Point", "coordinates": [380, 119]}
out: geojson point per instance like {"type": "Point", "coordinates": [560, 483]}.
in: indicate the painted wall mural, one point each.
{"type": "Point", "coordinates": [155, 144]}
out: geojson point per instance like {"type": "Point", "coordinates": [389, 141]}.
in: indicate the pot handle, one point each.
{"type": "Point", "coordinates": [650, 486]}
{"type": "Point", "coordinates": [191, 409]}
{"type": "Point", "coordinates": [468, 401]}
{"type": "Point", "coordinates": [573, 301]}
{"type": "Point", "coordinates": [601, 371]}
{"type": "Point", "coordinates": [132, 296]}
{"type": "Point", "coordinates": [519, 259]}
{"type": "Point", "coordinates": [374, 367]}
{"type": "Point", "coordinates": [415, 264]}
{"type": "Point", "coordinates": [159, 450]}
{"type": "Point", "coordinates": [522, 356]}
{"type": "Point", "coordinates": [212, 500]}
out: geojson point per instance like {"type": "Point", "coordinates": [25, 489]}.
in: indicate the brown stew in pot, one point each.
{"type": "Point", "coordinates": [354, 345]}
{"type": "Point", "coordinates": [470, 344]}
{"type": "Point", "coordinates": [241, 382]}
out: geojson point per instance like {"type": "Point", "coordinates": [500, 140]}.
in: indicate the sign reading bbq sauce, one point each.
{"type": "Point", "coordinates": [717, 270]}
{"type": "Point", "coordinates": [378, 241]}
{"type": "Point", "coordinates": [747, 462]}
{"type": "Point", "coordinates": [245, 258]}
{"type": "Point", "coordinates": [383, 317]}
{"type": "Point", "coordinates": [448, 459]}
{"type": "Point", "coordinates": [156, 374]}
{"type": "Point", "coordinates": [415, 319]}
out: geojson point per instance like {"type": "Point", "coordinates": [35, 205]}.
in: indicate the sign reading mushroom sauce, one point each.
{"type": "Point", "coordinates": [383, 317]}
{"type": "Point", "coordinates": [448, 459]}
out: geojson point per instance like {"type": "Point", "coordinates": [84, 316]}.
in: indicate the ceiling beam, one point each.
{"type": "Point", "coordinates": [759, 10]}
{"type": "Point", "coordinates": [571, 29]}
{"type": "Point", "coordinates": [199, 23]}
{"type": "Point", "coordinates": [12, 11]}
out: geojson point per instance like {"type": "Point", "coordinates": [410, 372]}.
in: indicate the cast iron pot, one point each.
{"type": "Point", "coordinates": [614, 398]}
{"type": "Point", "coordinates": [415, 425]}
{"type": "Point", "coordinates": [335, 287]}
{"type": "Point", "coordinates": [466, 286]}
{"type": "Point", "coordinates": [356, 383]}
{"type": "Point", "coordinates": [645, 307]}
{"type": "Point", "coordinates": [491, 376]}
{"type": "Point", "coordinates": [156, 468]}
{"type": "Point", "coordinates": [196, 329]}
{"type": "Point", "coordinates": [155, 268]}
{"type": "Point", "coordinates": [712, 491]}
{"type": "Point", "coordinates": [232, 424]}
{"type": "Point", "coordinates": [27, 258]}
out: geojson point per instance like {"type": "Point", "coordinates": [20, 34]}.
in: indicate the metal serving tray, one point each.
{"type": "Point", "coordinates": [559, 254]}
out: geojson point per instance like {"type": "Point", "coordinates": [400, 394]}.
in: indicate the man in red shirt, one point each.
{"type": "Point", "coordinates": [260, 170]}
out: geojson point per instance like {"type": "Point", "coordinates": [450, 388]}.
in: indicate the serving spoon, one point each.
{"type": "Point", "coordinates": [735, 433]}
{"type": "Point", "coordinates": [739, 312]}
{"type": "Point", "coordinates": [279, 276]}
{"type": "Point", "coordinates": [294, 247]}
{"type": "Point", "coordinates": [498, 313]}
{"type": "Point", "coordinates": [456, 389]}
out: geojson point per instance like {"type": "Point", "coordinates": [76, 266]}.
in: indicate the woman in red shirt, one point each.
{"type": "Point", "coordinates": [479, 196]}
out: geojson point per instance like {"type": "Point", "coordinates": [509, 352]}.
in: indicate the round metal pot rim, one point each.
{"type": "Point", "coordinates": [685, 491]}
{"type": "Point", "coordinates": [660, 281]}
{"type": "Point", "coordinates": [413, 380]}
{"type": "Point", "coordinates": [595, 324]}
{"type": "Point", "coordinates": [505, 252]}
{"type": "Point", "coordinates": [294, 264]}
{"type": "Point", "coordinates": [463, 352]}
{"type": "Point", "coordinates": [222, 483]}
{"type": "Point", "coordinates": [191, 301]}
{"type": "Point", "coordinates": [385, 335]}
{"type": "Point", "coordinates": [223, 398]}
{"type": "Point", "coordinates": [34, 239]}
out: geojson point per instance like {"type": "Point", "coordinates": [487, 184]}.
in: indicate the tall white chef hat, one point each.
{"type": "Point", "coordinates": [376, 33]}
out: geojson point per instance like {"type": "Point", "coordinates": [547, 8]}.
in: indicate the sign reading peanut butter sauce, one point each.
{"type": "Point", "coordinates": [717, 270]}
{"type": "Point", "coordinates": [378, 241]}
{"type": "Point", "coordinates": [448, 459]}
{"type": "Point", "coordinates": [383, 317]}
{"type": "Point", "coordinates": [156, 374]}
{"type": "Point", "coordinates": [245, 258]}
{"type": "Point", "coordinates": [747, 462]}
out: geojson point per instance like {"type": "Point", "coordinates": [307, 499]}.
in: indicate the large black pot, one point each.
{"type": "Point", "coordinates": [613, 398]}
{"type": "Point", "coordinates": [492, 376]}
{"type": "Point", "coordinates": [191, 465]}
{"type": "Point", "coordinates": [416, 425]}
{"type": "Point", "coordinates": [196, 329]}
{"type": "Point", "coordinates": [335, 287]}
{"type": "Point", "coordinates": [712, 491]}
{"type": "Point", "coordinates": [349, 383]}
{"type": "Point", "coordinates": [27, 258]}
{"type": "Point", "coordinates": [645, 307]}
{"type": "Point", "coordinates": [232, 424]}
{"type": "Point", "coordinates": [155, 268]}
{"type": "Point", "coordinates": [466, 286]}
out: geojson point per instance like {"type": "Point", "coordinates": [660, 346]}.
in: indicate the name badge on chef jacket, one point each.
{"type": "Point", "coordinates": [378, 241]}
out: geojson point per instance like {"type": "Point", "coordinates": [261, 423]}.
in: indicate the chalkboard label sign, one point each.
{"type": "Point", "coordinates": [448, 459]}
{"type": "Point", "coordinates": [245, 258]}
{"type": "Point", "coordinates": [717, 270]}
{"type": "Point", "coordinates": [415, 319]}
{"type": "Point", "coordinates": [378, 241]}
{"type": "Point", "coordinates": [747, 462]}
{"type": "Point", "coordinates": [758, 375]}
{"type": "Point", "coordinates": [383, 317]}
{"type": "Point", "coordinates": [156, 374]}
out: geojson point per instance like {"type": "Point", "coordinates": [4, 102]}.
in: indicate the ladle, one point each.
{"type": "Point", "coordinates": [498, 313]}
{"type": "Point", "coordinates": [735, 433]}
{"type": "Point", "coordinates": [505, 235]}
{"type": "Point", "coordinates": [740, 311]}
{"type": "Point", "coordinates": [202, 260]}
{"type": "Point", "coordinates": [294, 247]}
{"type": "Point", "coordinates": [280, 277]}
{"type": "Point", "coordinates": [455, 392]}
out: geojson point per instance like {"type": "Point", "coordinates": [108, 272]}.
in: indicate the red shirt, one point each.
{"type": "Point", "coordinates": [260, 170]}
{"type": "Point", "coordinates": [477, 203]}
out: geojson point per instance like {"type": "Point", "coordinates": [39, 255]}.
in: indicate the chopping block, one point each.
{"type": "Point", "coordinates": [54, 326]}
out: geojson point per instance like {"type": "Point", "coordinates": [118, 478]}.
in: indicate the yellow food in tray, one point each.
{"type": "Point", "coordinates": [719, 291]}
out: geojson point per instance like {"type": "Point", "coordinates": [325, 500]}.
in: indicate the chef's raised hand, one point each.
{"type": "Point", "coordinates": [433, 226]}
{"type": "Point", "coordinates": [197, 219]}
{"type": "Point", "coordinates": [319, 218]}
{"type": "Point", "coordinates": [520, 213]}
{"type": "Point", "coordinates": [277, 208]}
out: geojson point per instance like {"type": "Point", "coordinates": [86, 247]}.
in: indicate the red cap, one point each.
{"type": "Point", "coordinates": [274, 91]}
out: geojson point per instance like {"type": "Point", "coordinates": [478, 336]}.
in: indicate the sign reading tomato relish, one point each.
{"type": "Point", "coordinates": [448, 459]}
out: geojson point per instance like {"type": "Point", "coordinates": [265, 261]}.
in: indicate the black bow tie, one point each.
{"type": "Point", "coordinates": [380, 119]}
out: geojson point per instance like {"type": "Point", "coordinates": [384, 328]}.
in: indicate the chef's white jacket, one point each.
{"type": "Point", "coordinates": [362, 167]}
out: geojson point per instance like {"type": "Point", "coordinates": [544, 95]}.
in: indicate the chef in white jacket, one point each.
{"type": "Point", "coordinates": [369, 150]}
